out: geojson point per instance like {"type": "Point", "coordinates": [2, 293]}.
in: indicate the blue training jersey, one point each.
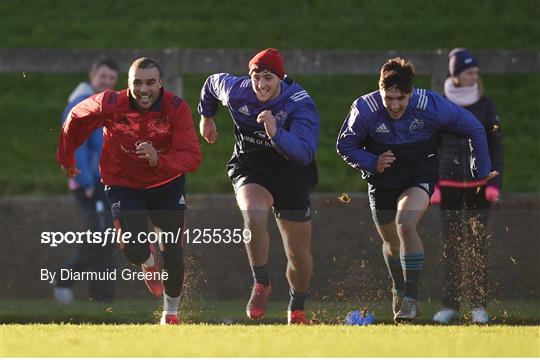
{"type": "Point", "coordinates": [368, 131]}
{"type": "Point", "coordinates": [290, 154]}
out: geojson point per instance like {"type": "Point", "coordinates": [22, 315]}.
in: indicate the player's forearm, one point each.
{"type": "Point", "coordinates": [179, 163]}
{"type": "Point", "coordinates": [80, 124]}
{"type": "Point", "coordinates": [85, 178]}
{"type": "Point", "coordinates": [299, 149]}
{"type": "Point", "coordinates": [464, 124]}
{"type": "Point", "coordinates": [481, 152]}
{"type": "Point", "coordinates": [359, 159]}
{"type": "Point", "coordinates": [496, 156]}
{"type": "Point", "coordinates": [185, 154]}
{"type": "Point", "coordinates": [349, 147]}
{"type": "Point", "coordinates": [496, 150]}
{"type": "Point", "coordinates": [299, 141]}
{"type": "Point", "coordinates": [65, 152]}
{"type": "Point", "coordinates": [71, 137]}
{"type": "Point", "coordinates": [355, 156]}
{"type": "Point", "coordinates": [479, 144]}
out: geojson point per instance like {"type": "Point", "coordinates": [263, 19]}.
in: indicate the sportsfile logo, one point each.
{"type": "Point", "coordinates": [114, 236]}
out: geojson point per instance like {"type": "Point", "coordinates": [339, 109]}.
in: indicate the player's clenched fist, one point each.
{"type": "Point", "coordinates": [385, 160]}
{"type": "Point", "coordinates": [145, 150]}
{"type": "Point", "coordinates": [208, 129]}
{"type": "Point", "coordinates": [269, 122]}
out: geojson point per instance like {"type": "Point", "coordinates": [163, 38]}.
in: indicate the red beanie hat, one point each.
{"type": "Point", "coordinates": [268, 59]}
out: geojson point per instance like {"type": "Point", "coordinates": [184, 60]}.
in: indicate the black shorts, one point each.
{"type": "Point", "coordinates": [168, 197]}
{"type": "Point", "coordinates": [288, 205]}
{"type": "Point", "coordinates": [383, 201]}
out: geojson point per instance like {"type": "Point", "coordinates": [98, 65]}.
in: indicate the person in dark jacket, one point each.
{"type": "Point", "coordinates": [465, 201]}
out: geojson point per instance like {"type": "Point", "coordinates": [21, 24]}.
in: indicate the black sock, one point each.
{"type": "Point", "coordinates": [260, 274]}
{"type": "Point", "coordinates": [297, 300]}
{"type": "Point", "coordinates": [395, 270]}
{"type": "Point", "coordinates": [412, 266]}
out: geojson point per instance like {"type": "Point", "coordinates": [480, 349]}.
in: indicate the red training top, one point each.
{"type": "Point", "coordinates": [167, 125]}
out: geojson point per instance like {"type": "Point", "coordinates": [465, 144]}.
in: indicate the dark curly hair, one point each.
{"type": "Point", "coordinates": [398, 73]}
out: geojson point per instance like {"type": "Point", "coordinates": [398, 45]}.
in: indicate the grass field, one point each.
{"type": "Point", "coordinates": [268, 340]}
{"type": "Point", "coordinates": [314, 24]}
{"type": "Point", "coordinates": [220, 328]}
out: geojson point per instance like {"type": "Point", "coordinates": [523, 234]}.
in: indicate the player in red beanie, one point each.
{"type": "Point", "coordinates": [272, 168]}
{"type": "Point", "coordinates": [268, 59]}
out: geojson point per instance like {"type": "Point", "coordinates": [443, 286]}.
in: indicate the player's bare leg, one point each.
{"type": "Point", "coordinates": [412, 205]}
{"type": "Point", "coordinates": [255, 203]}
{"type": "Point", "coordinates": [297, 243]}
{"type": "Point", "coordinates": [391, 255]}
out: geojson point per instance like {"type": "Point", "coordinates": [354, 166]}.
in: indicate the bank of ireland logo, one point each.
{"type": "Point", "coordinates": [280, 117]}
{"type": "Point", "coordinates": [417, 124]}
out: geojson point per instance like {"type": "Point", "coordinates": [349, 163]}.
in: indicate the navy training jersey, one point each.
{"type": "Point", "coordinates": [368, 131]}
{"type": "Point", "coordinates": [289, 156]}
